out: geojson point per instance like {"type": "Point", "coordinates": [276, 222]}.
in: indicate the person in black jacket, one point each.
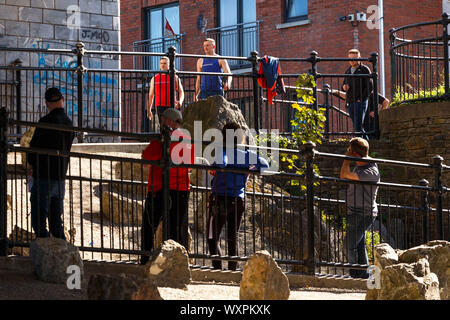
{"type": "Point", "coordinates": [49, 171]}
{"type": "Point", "coordinates": [357, 91]}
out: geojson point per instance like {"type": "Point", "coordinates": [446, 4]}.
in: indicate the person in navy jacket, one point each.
{"type": "Point", "coordinates": [227, 200]}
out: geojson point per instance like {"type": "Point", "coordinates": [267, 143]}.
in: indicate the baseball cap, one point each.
{"type": "Point", "coordinates": [173, 114]}
{"type": "Point", "coordinates": [53, 95]}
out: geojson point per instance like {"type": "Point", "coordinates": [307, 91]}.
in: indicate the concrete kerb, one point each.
{"type": "Point", "coordinates": [24, 264]}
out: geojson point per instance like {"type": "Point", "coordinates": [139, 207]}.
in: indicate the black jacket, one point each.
{"type": "Point", "coordinates": [359, 87]}
{"type": "Point", "coordinates": [46, 166]}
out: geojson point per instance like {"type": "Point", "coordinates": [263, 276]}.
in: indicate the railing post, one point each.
{"type": "Point", "coordinates": [393, 66]}
{"type": "Point", "coordinates": [18, 63]}
{"type": "Point", "coordinates": [3, 181]}
{"type": "Point", "coordinates": [438, 189]}
{"type": "Point", "coordinates": [326, 92]}
{"type": "Point", "coordinates": [79, 51]}
{"type": "Point", "coordinates": [445, 22]}
{"type": "Point", "coordinates": [256, 109]}
{"type": "Point", "coordinates": [165, 166]}
{"type": "Point", "coordinates": [374, 76]}
{"type": "Point", "coordinates": [308, 152]}
{"type": "Point", "coordinates": [313, 59]}
{"type": "Point", "coordinates": [425, 208]}
{"type": "Point", "coordinates": [171, 55]}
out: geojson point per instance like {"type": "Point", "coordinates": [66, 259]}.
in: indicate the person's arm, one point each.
{"type": "Point", "coordinates": [226, 69]}
{"type": "Point", "coordinates": [345, 169]}
{"type": "Point", "coordinates": [367, 86]}
{"type": "Point", "coordinates": [197, 82]}
{"type": "Point", "coordinates": [151, 95]}
{"type": "Point", "coordinates": [180, 93]}
{"type": "Point", "coordinates": [153, 151]}
{"type": "Point", "coordinates": [385, 104]}
{"type": "Point", "coordinates": [345, 83]}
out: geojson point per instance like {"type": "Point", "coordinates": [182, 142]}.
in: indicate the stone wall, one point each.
{"type": "Point", "coordinates": [60, 24]}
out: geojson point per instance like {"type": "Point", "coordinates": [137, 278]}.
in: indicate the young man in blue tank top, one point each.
{"type": "Point", "coordinates": [207, 86]}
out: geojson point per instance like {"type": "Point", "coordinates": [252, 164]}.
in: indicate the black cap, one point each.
{"type": "Point", "coordinates": [53, 95]}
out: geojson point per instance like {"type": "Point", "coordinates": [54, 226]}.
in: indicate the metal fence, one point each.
{"type": "Point", "coordinates": [301, 220]}
{"type": "Point", "coordinates": [420, 61]}
{"type": "Point", "coordinates": [99, 94]}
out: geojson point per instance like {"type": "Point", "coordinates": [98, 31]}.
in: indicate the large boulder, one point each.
{"type": "Point", "coordinates": [52, 256]}
{"type": "Point", "coordinates": [25, 143]}
{"type": "Point", "coordinates": [122, 209]}
{"type": "Point", "coordinates": [404, 281]}
{"type": "Point", "coordinates": [438, 255]}
{"type": "Point", "coordinates": [121, 287]}
{"type": "Point", "coordinates": [19, 234]}
{"type": "Point", "coordinates": [262, 279]}
{"type": "Point", "coordinates": [169, 265]}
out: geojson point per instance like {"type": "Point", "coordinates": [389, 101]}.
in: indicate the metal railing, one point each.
{"type": "Point", "coordinates": [300, 219]}
{"type": "Point", "coordinates": [117, 99]}
{"type": "Point", "coordinates": [420, 61]}
{"type": "Point", "coordinates": [236, 40]}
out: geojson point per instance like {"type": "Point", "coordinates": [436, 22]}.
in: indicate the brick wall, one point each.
{"type": "Point", "coordinates": [324, 33]}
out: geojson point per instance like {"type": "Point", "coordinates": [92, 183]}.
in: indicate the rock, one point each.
{"type": "Point", "coordinates": [121, 287]}
{"type": "Point", "coordinates": [409, 282]}
{"type": "Point", "coordinates": [131, 171]}
{"type": "Point", "coordinates": [122, 209]}
{"type": "Point", "coordinates": [213, 112]}
{"type": "Point", "coordinates": [384, 256]}
{"type": "Point", "coordinates": [25, 143]}
{"type": "Point", "coordinates": [159, 236]}
{"type": "Point", "coordinates": [438, 255]}
{"type": "Point", "coordinates": [21, 235]}
{"type": "Point", "coordinates": [51, 257]}
{"type": "Point", "coordinates": [262, 279]}
{"type": "Point", "coordinates": [169, 266]}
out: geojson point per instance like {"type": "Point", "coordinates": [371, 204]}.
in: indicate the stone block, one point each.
{"type": "Point", "coordinates": [116, 23]}
{"type": "Point", "coordinates": [262, 279]}
{"type": "Point", "coordinates": [91, 6]}
{"type": "Point", "coordinates": [47, 4]}
{"type": "Point", "coordinates": [101, 21]}
{"type": "Point", "coordinates": [9, 12]}
{"type": "Point", "coordinates": [39, 30]}
{"type": "Point", "coordinates": [55, 17]}
{"type": "Point", "coordinates": [23, 3]}
{"type": "Point", "coordinates": [121, 209]}
{"type": "Point", "coordinates": [64, 4]}
{"type": "Point", "coordinates": [17, 28]}
{"type": "Point", "coordinates": [30, 14]}
{"type": "Point", "coordinates": [64, 33]}
{"type": "Point", "coordinates": [8, 41]}
{"type": "Point", "coordinates": [169, 265]}
{"type": "Point", "coordinates": [110, 8]}
{"type": "Point", "coordinates": [51, 257]}
{"type": "Point", "coordinates": [121, 287]}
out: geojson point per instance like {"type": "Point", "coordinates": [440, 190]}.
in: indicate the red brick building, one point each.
{"type": "Point", "coordinates": [286, 28]}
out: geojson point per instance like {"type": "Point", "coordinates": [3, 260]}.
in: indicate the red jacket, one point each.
{"type": "Point", "coordinates": [178, 177]}
{"type": "Point", "coordinates": [269, 67]}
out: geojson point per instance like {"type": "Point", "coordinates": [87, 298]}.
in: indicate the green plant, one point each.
{"type": "Point", "coordinates": [401, 97]}
{"type": "Point", "coordinates": [372, 239]}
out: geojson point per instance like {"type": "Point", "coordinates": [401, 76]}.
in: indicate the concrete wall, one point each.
{"type": "Point", "coordinates": [59, 24]}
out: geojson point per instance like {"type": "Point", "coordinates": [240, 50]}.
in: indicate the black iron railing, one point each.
{"type": "Point", "coordinates": [420, 61]}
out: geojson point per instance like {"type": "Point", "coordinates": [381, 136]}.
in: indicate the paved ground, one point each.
{"type": "Point", "coordinates": [22, 284]}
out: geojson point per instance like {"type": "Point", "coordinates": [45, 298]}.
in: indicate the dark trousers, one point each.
{"type": "Point", "coordinates": [177, 223]}
{"type": "Point", "coordinates": [357, 112]}
{"type": "Point", "coordinates": [47, 199]}
{"type": "Point", "coordinates": [223, 210]}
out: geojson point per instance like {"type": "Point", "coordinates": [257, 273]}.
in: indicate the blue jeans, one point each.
{"type": "Point", "coordinates": [355, 242]}
{"type": "Point", "coordinates": [357, 111]}
{"type": "Point", "coordinates": [205, 94]}
{"type": "Point", "coordinates": [47, 201]}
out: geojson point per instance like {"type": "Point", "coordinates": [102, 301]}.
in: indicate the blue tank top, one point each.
{"type": "Point", "coordinates": [211, 83]}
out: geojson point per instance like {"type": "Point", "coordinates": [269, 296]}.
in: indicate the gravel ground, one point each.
{"type": "Point", "coordinates": [20, 285]}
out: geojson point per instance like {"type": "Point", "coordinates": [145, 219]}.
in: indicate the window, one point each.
{"type": "Point", "coordinates": [238, 31]}
{"type": "Point", "coordinates": [156, 39]}
{"type": "Point", "coordinates": [295, 10]}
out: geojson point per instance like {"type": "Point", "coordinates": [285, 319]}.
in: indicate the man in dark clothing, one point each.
{"type": "Point", "coordinates": [369, 119]}
{"type": "Point", "coordinates": [357, 91]}
{"type": "Point", "coordinates": [49, 171]}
